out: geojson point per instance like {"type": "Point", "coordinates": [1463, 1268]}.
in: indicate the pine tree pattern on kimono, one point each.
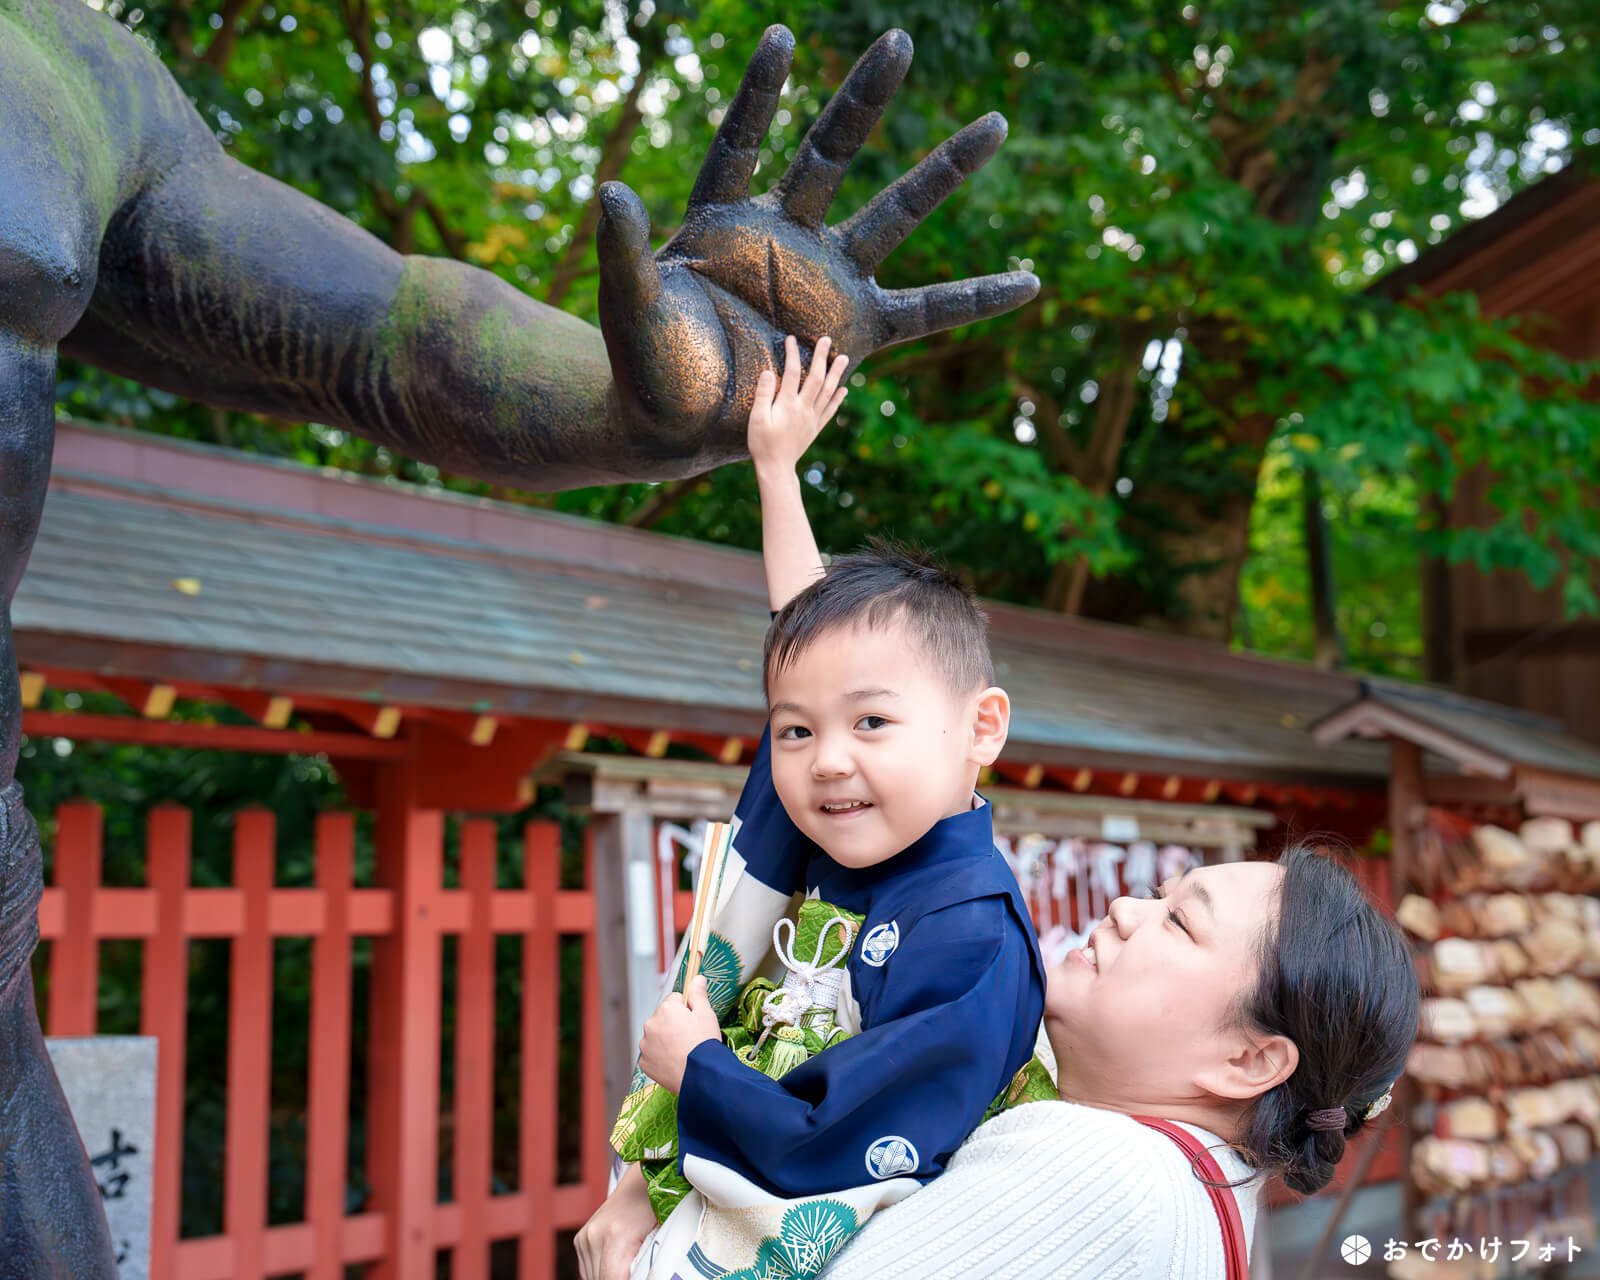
{"type": "Point", "coordinates": [773, 1028]}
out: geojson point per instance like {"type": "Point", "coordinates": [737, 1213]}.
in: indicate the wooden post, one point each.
{"type": "Point", "coordinates": [474, 1101]}
{"type": "Point", "coordinates": [1347, 1193]}
{"type": "Point", "coordinates": [541, 1019]}
{"type": "Point", "coordinates": [1408, 813]}
{"type": "Point", "coordinates": [244, 1180]}
{"type": "Point", "coordinates": [75, 955]}
{"type": "Point", "coordinates": [627, 936]}
{"type": "Point", "coordinates": [328, 1086]}
{"type": "Point", "coordinates": [403, 1104]}
{"type": "Point", "coordinates": [164, 1014]}
{"type": "Point", "coordinates": [596, 1109]}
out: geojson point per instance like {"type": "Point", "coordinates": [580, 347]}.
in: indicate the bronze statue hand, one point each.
{"type": "Point", "coordinates": [689, 330]}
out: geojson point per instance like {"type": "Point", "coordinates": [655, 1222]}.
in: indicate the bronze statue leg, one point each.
{"type": "Point", "coordinates": [51, 1224]}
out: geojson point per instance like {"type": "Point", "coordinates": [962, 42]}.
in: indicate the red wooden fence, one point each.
{"type": "Point", "coordinates": [408, 917]}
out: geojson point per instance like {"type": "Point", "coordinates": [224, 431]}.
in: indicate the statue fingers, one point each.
{"type": "Point", "coordinates": [894, 213]}
{"type": "Point", "coordinates": [725, 173]}
{"type": "Point", "coordinates": [914, 313]}
{"type": "Point", "coordinates": [629, 277]}
{"type": "Point", "coordinates": [812, 179]}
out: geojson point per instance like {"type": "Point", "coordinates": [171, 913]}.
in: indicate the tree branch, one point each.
{"type": "Point", "coordinates": [664, 500]}
{"type": "Point", "coordinates": [220, 50]}
{"type": "Point", "coordinates": [178, 31]}
{"type": "Point", "coordinates": [455, 244]}
{"type": "Point", "coordinates": [1065, 456]}
{"type": "Point", "coordinates": [358, 22]}
{"type": "Point", "coordinates": [613, 156]}
{"type": "Point", "coordinates": [1119, 397]}
{"type": "Point", "coordinates": [357, 18]}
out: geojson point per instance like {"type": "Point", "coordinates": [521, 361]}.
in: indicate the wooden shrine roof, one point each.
{"type": "Point", "coordinates": [161, 560]}
{"type": "Point", "coordinates": [1538, 254]}
{"type": "Point", "coordinates": [1483, 738]}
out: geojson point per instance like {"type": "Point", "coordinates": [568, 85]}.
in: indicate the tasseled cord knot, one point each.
{"type": "Point", "coordinates": [806, 984]}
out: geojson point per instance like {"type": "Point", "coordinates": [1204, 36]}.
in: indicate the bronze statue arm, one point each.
{"type": "Point", "coordinates": [223, 284]}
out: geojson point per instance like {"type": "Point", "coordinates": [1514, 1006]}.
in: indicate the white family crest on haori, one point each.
{"type": "Point", "coordinates": [890, 1156]}
{"type": "Point", "coordinates": [879, 944]}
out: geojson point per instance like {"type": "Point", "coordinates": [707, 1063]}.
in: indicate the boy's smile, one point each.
{"type": "Point", "coordinates": [870, 747]}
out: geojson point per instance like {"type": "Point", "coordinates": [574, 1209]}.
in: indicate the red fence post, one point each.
{"type": "Point", "coordinates": [328, 1083]}
{"type": "Point", "coordinates": [163, 1013]}
{"type": "Point", "coordinates": [474, 1100]}
{"type": "Point", "coordinates": [249, 1048]}
{"type": "Point", "coordinates": [403, 1114]}
{"type": "Point", "coordinates": [541, 1025]}
{"type": "Point", "coordinates": [75, 955]}
{"type": "Point", "coordinates": [595, 1156]}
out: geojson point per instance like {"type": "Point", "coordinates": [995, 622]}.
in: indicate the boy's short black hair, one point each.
{"type": "Point", "coordinates": [882, 583]}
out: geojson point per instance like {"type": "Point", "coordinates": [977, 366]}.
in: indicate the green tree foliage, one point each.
{"type": "Point", "coordinates": [1205, 191]}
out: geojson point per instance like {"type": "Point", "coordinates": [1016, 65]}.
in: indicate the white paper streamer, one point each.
{"type": "Point", "coordinates": [1139, 869]}
{"type": "Point", "coordinates": [1174, 860]}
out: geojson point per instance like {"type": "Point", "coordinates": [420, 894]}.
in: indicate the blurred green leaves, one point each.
{"type": "Point", "coordinates": [1215, 185]}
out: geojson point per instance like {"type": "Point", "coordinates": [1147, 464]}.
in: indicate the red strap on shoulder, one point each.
{"type": "Point", "coordinates": [1222, 1198]}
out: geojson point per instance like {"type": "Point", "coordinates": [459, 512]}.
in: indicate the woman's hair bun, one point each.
{"type": "Point", "coordinates": [1336, 978]}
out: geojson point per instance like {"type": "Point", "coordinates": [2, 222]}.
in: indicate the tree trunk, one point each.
{"type": "Point", "coordinates": [1119, 398]}
{"type": "Point", "coordinates": [1329, 651]}
{"type": "Point", "coordinates": [1209, 550]}
{"type": "Point", "coordinates": [1206, 537]}
{"type": "Point", "coordinates": [1209, 538]}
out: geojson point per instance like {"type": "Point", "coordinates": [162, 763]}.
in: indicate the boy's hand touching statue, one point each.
{"type": "Point", "coordinates": [789, 414]}
{"type": "Point", "coordinates": [672, 1033]}
{"type": "Point", "coordinates": [784, 420]}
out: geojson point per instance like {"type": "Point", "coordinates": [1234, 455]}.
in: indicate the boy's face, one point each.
{"type": "Point", "coordinates": [870, 746]}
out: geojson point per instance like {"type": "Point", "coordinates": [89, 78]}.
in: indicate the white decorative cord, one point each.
{"type": "Point", "coordinates": [806, 984]}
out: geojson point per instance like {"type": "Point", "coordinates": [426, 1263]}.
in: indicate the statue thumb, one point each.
{"type": "Point", "coordinates": [627, 268]}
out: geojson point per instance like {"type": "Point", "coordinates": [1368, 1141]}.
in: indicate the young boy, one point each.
{"type": "Point", "coordinates": [914, 986]}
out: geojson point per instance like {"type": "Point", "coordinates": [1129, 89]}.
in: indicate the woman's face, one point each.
{"type": "Point", "coordinates": [1141, 1017]}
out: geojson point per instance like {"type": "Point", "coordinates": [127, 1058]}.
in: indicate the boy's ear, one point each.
{"type": "Point", "coordinates": [991, 722]}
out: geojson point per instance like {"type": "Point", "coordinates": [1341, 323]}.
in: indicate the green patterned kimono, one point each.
{"type": "Point", "coordinates": [773, 1026]}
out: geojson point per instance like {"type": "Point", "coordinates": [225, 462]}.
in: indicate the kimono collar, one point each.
{"type": "Point", "coordinates": [962, 835]}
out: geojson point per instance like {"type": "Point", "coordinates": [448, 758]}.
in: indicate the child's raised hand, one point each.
{"type": "Point", "coordinates": [673, 1031]}
{"type": "Point", "coordinates": [788, 415]}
